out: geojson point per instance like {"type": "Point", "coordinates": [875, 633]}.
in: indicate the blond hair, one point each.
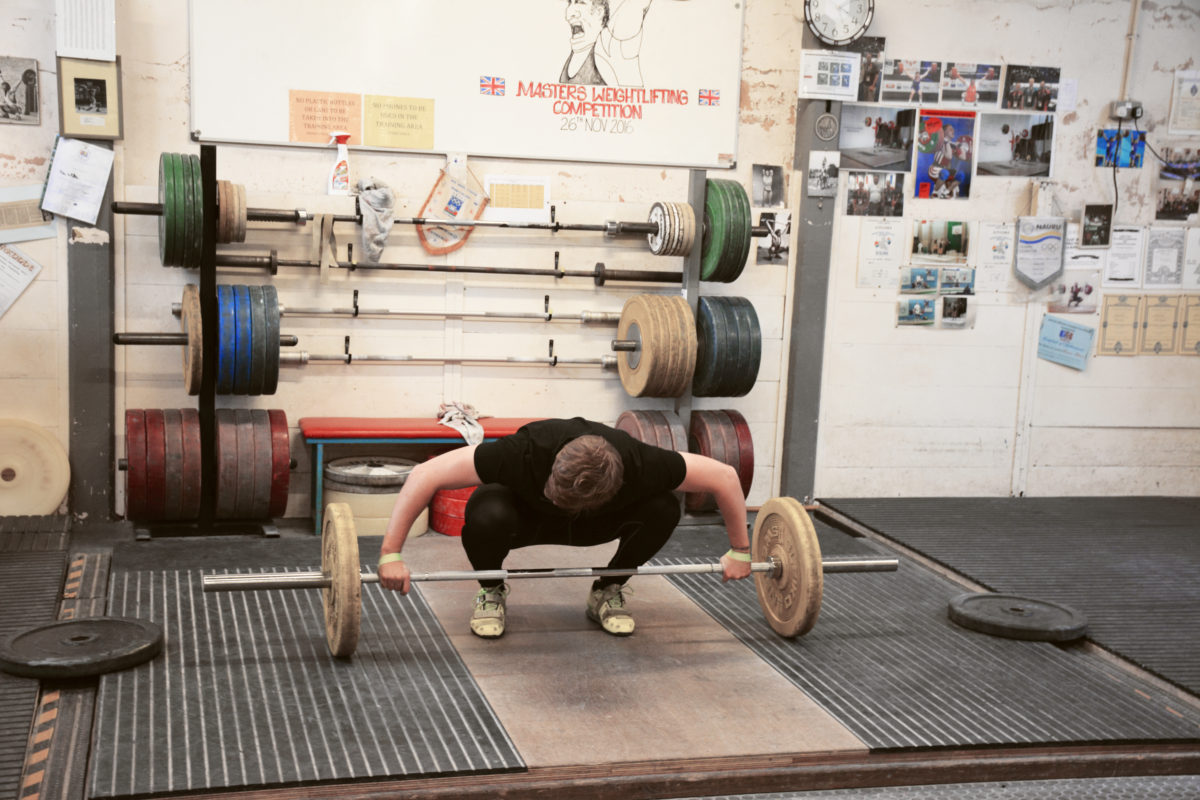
{"type": "Point", "coordinates": [586, 474]}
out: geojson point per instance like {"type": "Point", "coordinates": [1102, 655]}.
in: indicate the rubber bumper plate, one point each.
{"type": "Point", "coordinates": [1015, 617]}
{"type": "Point", "coordinates": [80, 648]}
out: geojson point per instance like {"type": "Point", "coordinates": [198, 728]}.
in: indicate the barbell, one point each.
{"type": "Point", "coordinates": [786, 564]}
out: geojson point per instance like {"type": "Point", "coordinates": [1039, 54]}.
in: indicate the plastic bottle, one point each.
{"type": "Point", "coordinates": [339, 173]}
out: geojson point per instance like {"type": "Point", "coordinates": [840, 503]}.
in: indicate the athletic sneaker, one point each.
{"type": "Point", "coordinates": [487, 620]}
{"type": "Point", "coordinates": [607, 607]}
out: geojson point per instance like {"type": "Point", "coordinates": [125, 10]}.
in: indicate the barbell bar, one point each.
{"type": "Point", "coordinates": [786, 565]}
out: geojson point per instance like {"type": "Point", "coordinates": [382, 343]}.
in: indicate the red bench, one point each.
{"type": "Point", "coordinates": [321, 431]}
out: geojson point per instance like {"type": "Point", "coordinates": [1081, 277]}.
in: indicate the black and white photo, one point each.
{"type": "Point", "coordinates": [19, 96]}
{"type": "Point", "coordinates": [823, 167]}
{"type": "Point", "coordinates": [767, 186]}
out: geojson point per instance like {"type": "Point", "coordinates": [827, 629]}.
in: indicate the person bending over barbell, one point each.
{"type": "Point", "coordinates": [568, 482]}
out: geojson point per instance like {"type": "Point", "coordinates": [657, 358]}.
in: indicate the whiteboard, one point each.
{"type": "Point", "coordinates": [480, 77]}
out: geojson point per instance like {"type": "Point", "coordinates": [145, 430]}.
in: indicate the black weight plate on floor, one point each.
{"type": "Point", "coordinates": [258, 340]}
{"type": "Point", "coordinates": [1016, 617]}
{"type": "Point", "coordinates": [712, 335]}
{"type": "Point", "coordinates": [742, 371]}
{"type": "Point", "coordinates": [271, 338]}
{"type": "Point", "coordinates": [80, 648]}
{"type": "Point", "coordinates": [226, 339]}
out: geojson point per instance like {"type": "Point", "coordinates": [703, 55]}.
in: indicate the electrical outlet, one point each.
{"type": "Point", "coordinates": [1126, 110]}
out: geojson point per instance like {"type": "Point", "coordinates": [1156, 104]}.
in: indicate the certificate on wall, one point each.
{"type": "Point", "coordinates": [1160, 325]}
{"type": "Point", "coordinates": [1189, 325]}
{"type": "Point", "coordinates": [1164, 258]}
{"type": "Point", "coordinates": [1125, 258]}
{"type": "Point", "coordinates": [1185, 103]}
{"type": "Point", "coordinates": [1040, 244]}
{"type": "Point", "coordinates": [1191, 260]}
{"type": "Point", "coordinates": [881, 246]}
{"type": "Point", "coordinates": [993, 254]}
{"type": "Point", "coordinates": [1120, 316]}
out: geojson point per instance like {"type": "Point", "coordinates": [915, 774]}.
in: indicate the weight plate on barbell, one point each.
{"type": "Point", "coordinates": [226, 339]}
{"type": "Point", "coordinates": [264, 464]}
{"type": "Point", "coordinates": [162, 202]}
{"type": "Point", "coordinates": [227, 464]}
{"type": "Point", "coordinates": [80, 648]}
{"type": "Point", "coordinates": [135, 463]}
{"type": "Point", "coordinates": [745, 448]}
{"type": "Point", "coordinates": [281, 462]}
{"type": "Point", "coordinates": [657, 240]}
{"type": "Point", "coordinates": [192, 463]}
{"type": "Point", "coordinates": [685, 340]}
{"type": "Point", "coordinates": [258, 340]}
{"type": "Point", "coordinates": [705, 438]}
{"type": "Point", "coordinates": [189, 258]}
{"type": "Point", "coordinates": [790, 600]}
{"type": "Point", "coordinates": [197, 209]}
{"type": "Point", "coordinates": [637, 368]}
{"type": "Point", "coordinates": [712, 346]}
{"type": "Point", "coordinates": [243, 362]}
{"type": "Point", "coordinates": [716, 230]}
{"type": "Point", "coordinates": [741, 371]}
{"type": "Point", "coordinates": [240, 232]}
{"type": "Point", "coordinates": [370, 470]}
{"type": "Point", "coordinates": [742, 224]}
{"type": "Point", "coordinates": [1014, 617]}
{"type": "Point", "coordinates": [193, 351]}
{"type": "Point", "coordinates": [244, 426]}
{"type": "Point", "coordinates": [181, 210]}
{"type": "Point", "coordinates": [171, 211]}
{"type": "Point", "coordinates": [339, 563]}
{"type": "Point", "coordinates": [271, 367]}
{"type": "Point", "coordinates": [222, 212]}
{"type": "Point", "coordinates": [156, 466]}
{"type": "Point", "coordinates": [173, 469]}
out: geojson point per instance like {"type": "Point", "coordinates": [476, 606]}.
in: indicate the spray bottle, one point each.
{"type": "Point", "coordinates": [339, 173]}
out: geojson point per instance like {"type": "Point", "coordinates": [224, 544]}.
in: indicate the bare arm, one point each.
{"type": "Point", "coordinates": [705, 474]}
{"type": "Point", "coordinates": [451, 470]}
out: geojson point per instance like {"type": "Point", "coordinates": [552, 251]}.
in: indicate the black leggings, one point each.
{"type": "Point", "coordinates": [498, 521]}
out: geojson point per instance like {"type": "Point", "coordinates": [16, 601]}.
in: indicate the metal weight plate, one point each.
{"type": "Point", "coordinates": [156, 464]}
{"type": "Point", "coordinates": [258, 340]}
{"type": "Point", "coordinates": [671, 246]}
{"type": "Point", "coordinates": [712, 335]}
{"type": "Point", "coordinates": [193, 351]}
{"type": "Point", "coordinates": [264, 464]}
{"type": "Point", "coordinates": [271, 367]}
{"type": "Point", "coordinates": [745, 448]}
{"type": "Point", "coordinates": [227, 464]}
{"type": "Point", "coordinates": [198, 208]}
{"type": "Point", "coordinates": [244, 333]}
{"type": "Point", "coordinates": [657, 240]}
{"type": "Point", "coordinates": [705, 438]}
{"type": "Point", "coordinates": [716, 230]}
{"type": "Point", "coordinates": [743, 373]}
{"type": "Point", "coordinates": [1015, 617]}
{"type": "Point", "coordinates": [370, 470]}
{"type": "Point", "coordinates": [80, 648]}
{"type": "Point", "coordinates": [339, 563]}
{"type": "Point", "coordinates": [173, 464]}
{"type": "Point", "coordinates": [637, 368]}
{"type": "Point", "coordinates": [689, 229]}
{"type": "Point", "coordinates": [34, 470]}
{"type": "Point", "coordinates": [244, 425]}
{"type": "Point", "coordinates": [192, 463]}
{"type": "Point", "coordinates": [281, 462]}
{"type": "Point", "coordinates": [135, 463]}
{"type": "Point", "coordinates": [189, 256]}
{"type": "Point", "coordinates": [226, 339]}
{"type": "Point", "coordinates": [790, 600]}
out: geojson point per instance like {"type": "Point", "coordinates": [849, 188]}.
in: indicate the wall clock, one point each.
{"type": "Point", "coordinates": [838, 22]}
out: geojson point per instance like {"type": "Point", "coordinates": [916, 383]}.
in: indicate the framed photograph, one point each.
{"type": "Point", "coordinates": [19, 97]}
{"type": "Point", "coordinates": [1097, 225]}
{"type": "Point", "coordinates": [89, 98]}
{"type": "Point", "coordinates": [1016, 145]}
{"type": "Point", "coordinates": [877, 137]}
{"type": "Point", "coordinates": [945, 154]}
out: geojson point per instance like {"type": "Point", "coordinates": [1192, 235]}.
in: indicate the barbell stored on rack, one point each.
{"type": "Point", "coordinates": [787, 567]}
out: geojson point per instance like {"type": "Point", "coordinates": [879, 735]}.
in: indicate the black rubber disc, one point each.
{"type": "Point", "coordinates": [1015, 617]}
{"type": "Point", "coordinates": [80, 648]}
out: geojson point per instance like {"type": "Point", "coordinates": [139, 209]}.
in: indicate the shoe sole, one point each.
{"type": "Point", "coordinates": [594, 617]}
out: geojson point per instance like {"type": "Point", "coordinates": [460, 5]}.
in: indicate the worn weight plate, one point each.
{"type": "Point", "coordinates": [192, 463]}
{"type": "Point", "coordinates": [712, 346]}
{"type": "Point", "coordinates": [227, 464]}
{"type": "Point", "coordinates": [744, 372]}
{"type": "Point", "coordinates": [661, 429]}
{"type": "Point", "coordinates": [339, 563]}
{"type": "Point", "coordinates": [730, 365]}
{"type": "Point", "coordinates": [370, 470]}
{"type": "Point", "coordinates": [135, 463]}
{"type": "Point", "coordinates": [244, 426]}
{"type": "Point", "coordinates": [637, 369]}
{"type": "Point", "coordinates": [658, 240]}
{"type": "Point", "coordinates": [193, 351]}
{"type": "Point", "coordinates": [173, 464]}
{"type": "Point", "coordinates": [271, 366]}
{"type": "Point", "coordinates": [745, 448]}
{"type": "Point", "coordinates": [186, 190]}
{"type": "Point", "coordinates": [281, 462]}
{"type": "Point", "coordinates": [156, 466]}
{"type": "Point", "coordinates": [240, 232]}
{"type": "Point", "coordinates": [34, 470]}
{"type": "Point", "coordinates": [197, 209]}
{"type": "Point", "coordinates": [683, 338]}
{"type": "Point", "coordinates": [791, 600]}
{"type": "Point", "coordinates": [226, 339]}
{"type": "Point", "coordinates": [637, 424]}
{"type": "Point", "coordinates": [689, 229]}
{"type": "Point", "coordinates": [716, 229]}
{"type": "Point", "coordinates": [80, 648]}
{"type": "Point", "coordinates": [705, 438]}
{"type": "Point", "coordinates": [223, 212]}
{"type": "Point", "coordinates": [656, 340]}
{"type": "Point", "coordinates": [244, 333]}
{"type": "Point", "coordinates": [263, 464]}
{"type": "Point", "coordinates": [679, 439]}
{"type": "Point", "coordinates": [741, 222]}
{"type": "Point", "coordinates": [258, 340]}
{"type": "Point", "coordinates": [1014, 617]}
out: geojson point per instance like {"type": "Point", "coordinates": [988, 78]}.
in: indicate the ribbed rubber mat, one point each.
{"type": "Point", "coordinates": [887, 663]}
{"type": "Point", "coordinates": [1172, 787]}
{"type": "Point", "coordinates": [1130, 564]}
{"type": "Point", "coordinates": [29, 587]}
{"type": "Point", "coordinates": [246, 694]}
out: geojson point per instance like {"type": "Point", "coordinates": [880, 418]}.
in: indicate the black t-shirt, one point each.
{"type": "Point", "coordinates": [523, 461]}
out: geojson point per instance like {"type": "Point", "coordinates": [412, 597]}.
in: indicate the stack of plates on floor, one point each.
{"type": "Point", "coordinates": [370, 485]}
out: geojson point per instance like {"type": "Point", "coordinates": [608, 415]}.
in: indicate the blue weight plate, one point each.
{"type": "Point", "coordinates": [271, 370]}
{"type": "Point", "coordinates": [243, 363]}
{"type": "Point", "coordinates": [226, 339]}
{"type": "Point", "coordinates": [258, 339]}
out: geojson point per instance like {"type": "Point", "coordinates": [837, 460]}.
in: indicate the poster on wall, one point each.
{"type": "Point", "coordinates": [908, 81]}
{"type": "Point", "coordinates": [1031, 88]}
{"type": "Point", "coordinates": [1178, 186]}
{"type": "Point", "coordinates": [767, 185]}
{"type": "Point", "coordinates": [874, 194]}
{"type": "Point", "coordinates": [773, 248]}
{"type": "Point", "coordinates": [916, 311]}
{"type": "Point", "coordinates": [20, 100]}
{"type": "Point", "coordinates": [829, 75]}
{"type": "Point", "coordinates": [969, 85]}
{"type": "Point", "coordinates": [1121, 149]}
{"type": "Point", "coordinates": [1016, 145]}
{"type": "Point", "coordinates": [876, 137]}
{"type": "Point", "coordinates": [1039, 253]}
{"type": "Point", "coordinates": [1191, 259]}
{"type": "Point", "coordinates": [945, 154]}
{"type": "Point", "coordinates": [958, 312]}
{"type": "Point", "coordinates": [1077, 257]}
{"type": "Point", "coordinates": [1189, 322]}
{"type": "Point", "coordinates": [1097, 225]}
{"type": "Point", "coordinates": [918, 280]}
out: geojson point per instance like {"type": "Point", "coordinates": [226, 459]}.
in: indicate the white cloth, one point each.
{"type": "Point", "coordinates": [463, 418]}
{"type": "Point", "coordinates": [376, 202]}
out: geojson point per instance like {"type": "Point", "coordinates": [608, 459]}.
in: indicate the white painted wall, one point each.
{"type": "Point", "coordinates": [926, 412]}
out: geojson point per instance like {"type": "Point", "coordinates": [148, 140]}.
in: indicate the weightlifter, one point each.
{"type": "Point", "coordinates": [567, 482]}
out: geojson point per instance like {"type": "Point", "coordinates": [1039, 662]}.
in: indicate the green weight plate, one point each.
{"type": "Point", "coordinates": [189, 258]}
{"type": "Point", "coordinates": [716, 229]}
{"type": "Point", "coordinates": [80, 648]}
{"type": "Point", "coordinates": [743, 228]}
{"type": "Point", "coordinates": [170, 211]}
{"type": "Point", "coordinates": [181, 206]}
{"type": "Point", "coordinates": [162, 201]}
{"type": "Point", "coordinates": [258, 340]}
{"type": "Point", "coordinates": [737, 239]}
{"type": "Point", "coordinates": [197, 209]}
{"type": "Point", "coordinates": [271, 368]}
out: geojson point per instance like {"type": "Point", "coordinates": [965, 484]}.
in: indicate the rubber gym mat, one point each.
{"type": "Point", "coordinates": [887, 663]}
{"type": "Point", "coordinates": [246, 694]}
{"type": "Point", "coordinates": [1170, 787]}
{"type": "Point", "coordinates": [1129, 563]}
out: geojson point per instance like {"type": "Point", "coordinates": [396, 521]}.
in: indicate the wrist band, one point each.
{"type": "Point", "coordinates": [736, 556]}
{"type": "Point", "coordinates": [389, 558]}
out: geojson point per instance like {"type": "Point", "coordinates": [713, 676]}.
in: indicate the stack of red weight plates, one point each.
{"type": "Point", "coordinates": [725, 436]}
{"type": "Point", "coordinates": [448, 510]}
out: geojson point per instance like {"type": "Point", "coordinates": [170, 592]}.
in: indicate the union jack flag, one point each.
{"type": "Point", "coordinates": [490, 85]}
{"type": "Point", "coordinates": [710, 97]}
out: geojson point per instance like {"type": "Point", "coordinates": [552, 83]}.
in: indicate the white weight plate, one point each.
{"type": "Point", "coordinates": [34, 471]}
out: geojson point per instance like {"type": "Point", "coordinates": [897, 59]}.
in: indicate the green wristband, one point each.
{"type": "Point", "coordinates": [389, 558]}
{"type": "Point", "coordinates": [736, 556]}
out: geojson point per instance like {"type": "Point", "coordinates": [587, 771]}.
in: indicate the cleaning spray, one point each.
{"type": "Point", "coordinates": [339, 173]}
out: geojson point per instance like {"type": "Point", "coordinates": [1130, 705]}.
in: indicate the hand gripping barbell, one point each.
{"type": "Point", "coordinates": [787, 568]}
